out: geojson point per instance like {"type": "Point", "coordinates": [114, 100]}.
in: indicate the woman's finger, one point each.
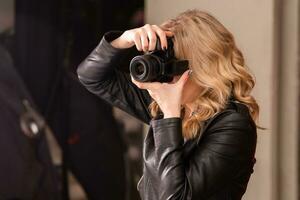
{"type": "Point", "coordinates": [152, 37]}
{"type": "Point", "coordinates": [169, 33]}
{"type": "Point", "coordinates": [144, 39]}
{"type": "Point", "coordinates": [146, 85]}
{"type": "Point", "coordinates": [138, 84]}
{"type": "Point", "coordinates": [137, 41]}
{"type": "Point", "coordinates": [162, 36]}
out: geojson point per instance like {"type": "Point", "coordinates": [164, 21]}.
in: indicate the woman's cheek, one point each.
{"type": "Point", "coordinates": [185, 92]}
{"type": "Point", "coordinates": [183, 96]}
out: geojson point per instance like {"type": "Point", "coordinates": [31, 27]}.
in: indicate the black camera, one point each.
{"type": "Point", "coordinates": [158, 65]}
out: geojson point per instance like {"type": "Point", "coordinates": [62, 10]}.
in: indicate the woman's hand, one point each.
{"type": "Point", "coordinates": [144, 38]}
{"type": "Point", "coordinates": [167, 95]}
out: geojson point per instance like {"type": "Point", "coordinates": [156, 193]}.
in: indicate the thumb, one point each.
{"type": "Point", "coordinates": [184, 77]}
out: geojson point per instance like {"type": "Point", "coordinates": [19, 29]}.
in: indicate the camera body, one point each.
{"type": "Point", "coordinates": [158, 65]}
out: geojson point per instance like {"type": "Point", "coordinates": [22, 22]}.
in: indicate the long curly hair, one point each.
{"type": "Point", "coordinates": [218, 67]}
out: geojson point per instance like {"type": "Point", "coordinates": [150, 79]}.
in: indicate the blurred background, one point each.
{"type": "Point", "coordinates": [58, 141]}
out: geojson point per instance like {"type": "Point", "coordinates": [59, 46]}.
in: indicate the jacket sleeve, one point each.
{"type": "Point", "coordinates": [100, 73]}
{"type": "Point", "coordinates": [227, 147]}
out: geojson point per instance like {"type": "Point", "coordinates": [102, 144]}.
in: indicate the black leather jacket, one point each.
{"type": "Point", "coordinates": [216, 165]}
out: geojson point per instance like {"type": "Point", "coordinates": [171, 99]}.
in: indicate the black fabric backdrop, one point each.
{"type": "Point", "coordinates": [51, 38]}
{"type": "Point", "coordinates": [26, 169]}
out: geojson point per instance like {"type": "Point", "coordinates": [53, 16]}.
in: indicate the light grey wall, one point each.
{"type": "Point", "coordinates": [6, 14]}
{"type": "Point", "coordinates": [288, 99]}
{"type": "Point", "coordinates": [255, 26]}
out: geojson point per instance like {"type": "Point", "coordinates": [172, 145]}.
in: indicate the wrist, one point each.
{"type": "Point", "coordinates": [118, 43]}
{"type": "Point", "coordinates": [171, 114]}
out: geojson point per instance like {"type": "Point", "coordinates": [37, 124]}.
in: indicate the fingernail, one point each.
{"type": "Point", "coordinates": [190, 72]}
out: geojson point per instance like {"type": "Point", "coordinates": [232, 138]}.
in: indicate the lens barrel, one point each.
{"type": "Point", "coordinates": [145, 68]}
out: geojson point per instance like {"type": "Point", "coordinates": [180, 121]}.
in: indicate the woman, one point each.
{"type": "Point", "coordinates": [202, 137]}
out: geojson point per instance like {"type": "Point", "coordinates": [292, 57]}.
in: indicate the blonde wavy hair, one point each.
{"type": "Point", "coordinates": [218, 67]}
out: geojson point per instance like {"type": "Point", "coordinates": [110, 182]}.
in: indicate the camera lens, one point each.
{"type": "Point", "coordinates": [145, 68]}
{"type": "Point", "coordinates": [139, 69]}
